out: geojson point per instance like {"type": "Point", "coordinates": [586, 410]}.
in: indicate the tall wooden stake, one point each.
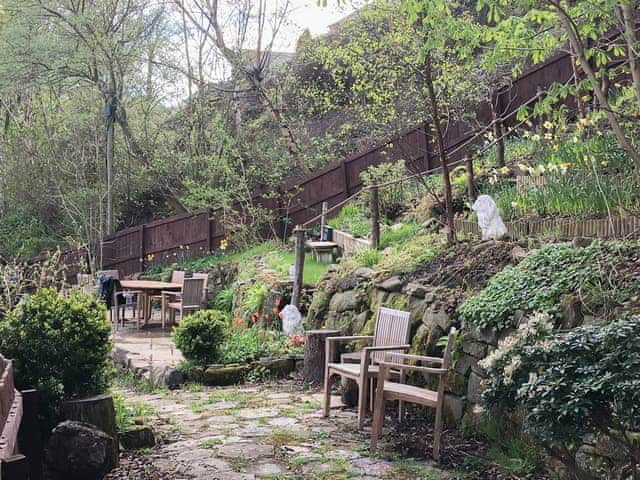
{"type": "Point", "coordinates": [323, 218]}
{"type": "Point", "coordinates": [299, 266]}
{"type": "Point", "coordinates": [471, 188]}
{"type": "Point", "coordinates": [375, 218]}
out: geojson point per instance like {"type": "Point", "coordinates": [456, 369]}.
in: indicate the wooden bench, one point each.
{"type": "Point", "coordinates": [13, 466]}
{"type": "Point", "coordinates": [322, 251]}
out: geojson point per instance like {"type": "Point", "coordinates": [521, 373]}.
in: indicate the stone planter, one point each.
{"type": "Point", "coordinates": [231, 374]}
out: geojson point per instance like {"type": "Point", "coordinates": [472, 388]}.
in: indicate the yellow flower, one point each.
{"type": "Point", "coordinates": [575, 139]}
{"type": "Point", "coordinates": [141, 259]}
{"type": "Point", "coordinates": [548, 136]}
{"type": "Point", "coordinates": [514, 204]}
{"type": "Point", "coordinates": [584, 121]}
{"type": "Point", "coordinates": [548, 125]}
{"type": "Point", "coordinates": [555, 147]}
{"type": "Point", "coordinates": [598, 133]}
{"type": "Point", "coordinates": [504, 170]}
{"type": "Point", "coordinates": [526, 134]}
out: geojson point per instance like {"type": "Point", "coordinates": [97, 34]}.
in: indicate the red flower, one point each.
{"type": "Point", "coordinates": [277, 302]}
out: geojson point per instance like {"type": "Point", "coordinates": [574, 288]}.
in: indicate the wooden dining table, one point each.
{"type": "Point", "coordinates": [148, 288]}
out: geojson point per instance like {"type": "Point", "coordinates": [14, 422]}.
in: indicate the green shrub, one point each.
{"type": "Point", "coordinates": [597, 273]}
{"type": "Point", "coordinates": [353, 218]}
{"type": "Point", "coordinates": [249, 344]}
{"type": "Point", "coordinates": [568, 386]}
{"type": "Point", "coordinates": [392, 198]}
{"type": "Point", "coordinates": [199, 336]}
{"type": "Point", "coordinates": [369, 258]}
{"type": "Point", "coordinates": [60, 345]}
{"type": "Point", "coordinates": [224, 300]}
{"type": "Point", "coordinates": [403, 234]}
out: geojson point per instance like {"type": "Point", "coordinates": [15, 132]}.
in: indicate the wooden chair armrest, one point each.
{"type": "Point", "coordinates": [382, 348]}
{"type": "Point", "coordinates": [348, 339]}
{"type": "Point", "coordinates": [170, 293]}
{"type": "Point", "coordinates": [417, 368]}
{"type": "Point", "coordinates": [421, 358]}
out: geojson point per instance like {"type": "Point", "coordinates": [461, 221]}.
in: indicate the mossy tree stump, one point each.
{"type": "Point", "coordinates": [314, 355]}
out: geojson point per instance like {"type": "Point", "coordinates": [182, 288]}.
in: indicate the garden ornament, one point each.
{"type": "Point", "coordinates": [291, 319]}
{"type": "Point", "coordinates": [489, 219]}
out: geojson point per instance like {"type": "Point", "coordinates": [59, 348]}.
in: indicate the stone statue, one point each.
{"type": "Point", "coordinates": [489, 219]}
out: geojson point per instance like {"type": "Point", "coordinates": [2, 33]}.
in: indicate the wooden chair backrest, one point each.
{"type": "Point", "coordinates": [205, 277]}
{"type": "Point", "coordinates": [192, 292]}
{"type": "Point", "coordinates": [393, 327]}
{"type": "Point", "coordinates": [112, 273]}
{"type": "Point", "coordinates": [177, 276]}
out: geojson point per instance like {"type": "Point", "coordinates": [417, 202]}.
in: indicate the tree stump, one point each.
{"type": "Point", "coordinates": [314, 355]}
{"type": "Point", "coordinates": [97, 410]}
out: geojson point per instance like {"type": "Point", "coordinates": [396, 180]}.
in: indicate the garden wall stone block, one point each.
{"type": "Point", "coordinates": [453, 409]}
{"type": "Point", "coordinates": [393, 284]}
{"type": "Point", "coordinates": [221, 375]}
{"type": "Point", "coordinates": [475, 349]}
{"type": "Point", "coordinates": [474, 390]}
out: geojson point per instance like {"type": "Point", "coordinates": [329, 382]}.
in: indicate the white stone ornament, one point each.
{"type": "Point", "coordinates": [489, 219]}
{"type": "Point", "coordinates": [291, 320]}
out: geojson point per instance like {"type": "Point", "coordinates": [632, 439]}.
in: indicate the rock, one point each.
{"type": "Point", "coordinates": [453, 409]}
{"type": "Point", "coordinates": [571, 309]}
{"type": "Point", "coordinates": [485, 335]}
{"type": "Point", "coordinates": [223, 374]}
{"type": "Point", "coordinates": [415, 290]}
{"type": "Point", "coordinates": [173, 378]}
{"type": "Point", "coordinates": [437, 317]}
{"type": "Point", "coordinates": [465, 363]}
{"type": "Point", "coordinates": [343, 301]}
{"type": "Point", "coordinates": [518, 253]}
{"type": "Point", "coordinates": [429, 223]}
{"type": "Point", "coordinates": [474, 390]}
{"type": "Point", "coordinates": [455, 383]}
{"type": "Point", "coordinates": [360, 321]}
{"type": "Point", "coordinates": [79, 451]}
{"type": "Point", "coordinates": [136, 437]}
{"type": "Point", "coordinates": [363, 272]}
{"type": "Point", "coordinates": [588, 460]}
{"type": "Point", "coordinates": [393, 284]}
{"type": "Point", "coordinates": [607, 447]}
{"type": "Point", "coordinates": [581, 242]}
{"type": "Point", "coordinates": [475, 349]}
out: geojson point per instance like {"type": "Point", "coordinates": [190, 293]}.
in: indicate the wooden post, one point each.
{"type": "Point", "coordinates": [471, 188]}
{"type": "Point", "coordinates": [30, 438]}
{"type": "Point", "coordinates": [375, 218]}
{"type": "Point", "coordinates": [314, 355]}
{"type": "Point", "coordinates": [299, 266]}
{"type": "Point", "coordinates": [323, 218]}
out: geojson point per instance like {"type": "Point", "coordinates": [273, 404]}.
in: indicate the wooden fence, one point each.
{"type": "Point", "coordinates": [299, 200]}
{"type": "Point", "coordinates": [615, 227]}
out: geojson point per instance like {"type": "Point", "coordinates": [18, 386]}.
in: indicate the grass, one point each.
{"type": "Point", "coordinates": [354, 219]}
{"type": "Point", "coordinates": [127, 413]}
{"type": "Point", "coordinates": [281, 260]}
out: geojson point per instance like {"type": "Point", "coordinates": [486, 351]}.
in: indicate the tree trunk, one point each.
{"type": "Point", "coordinates": [314, 355]}
{"type": "Point", "coordinates": [628, 17]}
{"type": "Point", "coordinates": [109, 165]}
{"type": "Point", "coordinates": [578, 48]}
{"type": "Point", "coordinates": [497, 133]}
{"type": "Point", "coordinates": [435, 115]}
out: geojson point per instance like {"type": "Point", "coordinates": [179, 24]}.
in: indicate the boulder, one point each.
{"type": "Point", "coordinates": [485, 335]}
{"type": "Point", "coordinates": [438, 317]}
{"type": "Point", "coordinates": [474, 390]}
{"type": "Point", "coordinates": [343, 301]}
{"type": "Point", "coordinates": [453, 409]}
{"type": "Point", "coordinates": [518, 253]}
{"type": "Point", "coordinates": [475, 349]}
{"type": "Point", "coordinates": [136, 437]}
{"type": "Point", "coordinates": [173, 378]}
{"type": "Point", "coordinates": [571, 309]}
{"type": "Point", "coordinates": [363, 272]}
{"type": "Point", "coordinates": [79, 451]}
{"type": "Point", "coordinates": [392, 284]}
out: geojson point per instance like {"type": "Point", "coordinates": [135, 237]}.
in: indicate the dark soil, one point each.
{"type": "Point", "coordinates": [466, 265]}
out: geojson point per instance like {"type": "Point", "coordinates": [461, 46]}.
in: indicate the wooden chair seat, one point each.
{"type": "Point", "coordinates": [410, 393]}
{"type": "Point", "coordinates": [391, 334]}
{"type": "Point", "coordinates": [190, 299]}
{"type": "Point", "coordinates": [387, 390]}
{"type": "Point", "coordinates": [175, 305]}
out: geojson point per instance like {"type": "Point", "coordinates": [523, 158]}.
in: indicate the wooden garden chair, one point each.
{"type": "Point", "coordinates": [391, 334]}
{"type": "Point", "coordinates": [387, 390]}
{"type": "Point", "coordinates": [118, 309]}
{"type": "Point", "coordinates": [177, 276]}
{"type": "Point", "coordinates": [205, 277]}
{"type": "Point", "coordinates": [190, 299]}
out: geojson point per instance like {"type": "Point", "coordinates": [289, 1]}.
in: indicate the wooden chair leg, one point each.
{"type": "Point", "coordinates": [363, 387]}
{"type": "Point", "coordinates": [378, 419]}
{"type": "Point", "coordinates": [401, 405]}
{"type": "Point", "coordinates": [326, 404]}
{"type": "Point", "coordinates": [437, 433]}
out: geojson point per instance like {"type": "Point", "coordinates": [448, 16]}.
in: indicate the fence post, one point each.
{"type": "Point", "coordinates": [471, 188]}
{"type": "Point", "coordinates": [299, 266]}
{"type": "Point", "coordinates": [375, 218]}
{"type": "Point", "coordinates": [142, 252]}
{"type": "Point", "coordinates": [323, 218]}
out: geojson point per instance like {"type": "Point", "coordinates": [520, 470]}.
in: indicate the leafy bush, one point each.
{"type": "Point", "coordinates": [353, 218]}
{"type": "Point", "coordinates": [252, 343]}
{"type": "Point", "coordinates": [403, 234]}
{"type": "Point", "coordinates": [60, 345]}
{"type": "Point", "coordinates": [391, 198]}
{"type": "Point", "coordinates": [199, 336]}
{"type": "Point", "coordinates": [224, 300]}
{"type": "Point", "coordinates": [570, 385]}
{"type": "Point", "coordinates": [596, 272]}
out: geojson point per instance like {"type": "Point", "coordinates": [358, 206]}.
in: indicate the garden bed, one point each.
{"type": "Point", "coordinates": [234, 373]}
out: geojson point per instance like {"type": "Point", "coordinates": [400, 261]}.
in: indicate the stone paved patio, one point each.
{"type": "Point", "coordinates": [271, 431]}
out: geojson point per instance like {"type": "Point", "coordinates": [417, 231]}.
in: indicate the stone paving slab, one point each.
{"type": "Point", "coordinates": [286, 439]}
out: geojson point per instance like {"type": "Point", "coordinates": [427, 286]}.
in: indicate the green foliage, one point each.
{"type": "Point", "coordinates": [353, 218]}
{"type": "Point", "coordinates": [60, 344]}
{"type": "Point", "coordinates": [392, 198]}
{"type": "Point", "coordinates": [224, 300]}
{"type": "Point", "coordinates": [280, 260]}
{"type": "Point", "coordinates": [128, 413]}
{"type": "Point", "coordinates": [402, 234]}
{"type": "Point", "coordinates": [538, 282]}
{"type": "Point", "coordinates": [22, 234]}
{"type": "Point", "coordinates": [254, 298]}
{"type": "Point", "coordinates": [200, 335]}
{"type": "Point", "coordinates": [570, 385]}
{"type": "Point", "coordinates": [368, 258]}
{"type": "Point", "coordinates": [250, 344]}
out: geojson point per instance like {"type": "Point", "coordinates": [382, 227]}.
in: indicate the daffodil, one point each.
{"type": "Point", "coordinates": [535, 137]}
{"type": "Point", "coordinates": [584, 121]}
{"type": "Point", "coordinates": [548, 125]}
{"type": "Point", "coordinates": [555, 147]}
{"type": "Point", "coordinates": [548, 136]}
{"type": "Point", "coordinates": [526, 134]}
{"type": "Point", "coordinates": [514, 204]}
{"type": "Point", "coordinates": [504, 170]}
